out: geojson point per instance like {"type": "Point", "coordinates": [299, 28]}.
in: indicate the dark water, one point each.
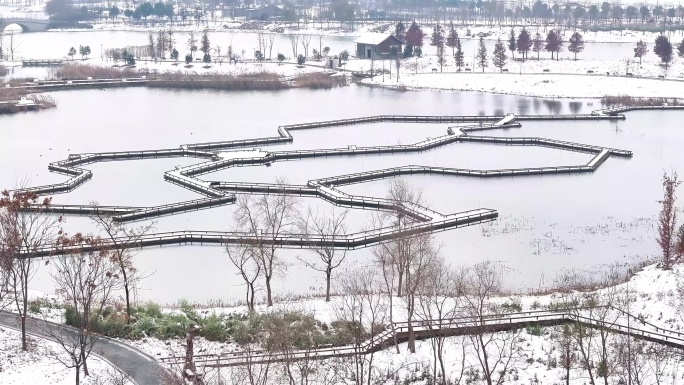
{"type": "Point", "coordinates": [546, 224]}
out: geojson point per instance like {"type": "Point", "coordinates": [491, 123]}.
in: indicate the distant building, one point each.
{"type": "Point", "coordinates": [378, 46]}
{"type": "Point", "coordinates": [265, 12]}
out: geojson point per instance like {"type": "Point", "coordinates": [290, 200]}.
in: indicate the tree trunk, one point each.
{"type": "Point", "coordinates": [24, 347]}
{"type": "Point", "coordinates": [328, 273]}
{"type": "Point", "coordinates": [411, 336]}
{"type": "Point", "coordinates": [485, 360]}
{"type": "Point", "coordinates": [268, 291]}
{"type": "Point", "coordinates": [440, 356]}
{"type": "Point", "coordinates": [78, 375]}
{"type": "Point", "coordinates": [401, 279]}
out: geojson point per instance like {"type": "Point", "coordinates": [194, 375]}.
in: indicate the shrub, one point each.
{"type": "Point", "coordinates": [214, 329]}
{"type": "Point", "coordinates": [145, 327]}
{"type": "Point", "coordinates": [114, 326]}
{"type": "Point", "coordinates": [173, 326]}
{"type": "Point", "coordinates": [301, 59]}
{"type": "Point", "coordinates": [534, 330]}
{"type": "Point", "coordinates": [151, 309]}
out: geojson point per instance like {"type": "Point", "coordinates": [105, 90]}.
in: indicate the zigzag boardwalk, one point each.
{"type": "Point", "coordinates": [218, 193]}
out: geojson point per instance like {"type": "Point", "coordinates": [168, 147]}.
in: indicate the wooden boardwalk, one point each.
{"type": "Point", "coordinates": [220, 193]}
{"type": "Point", "coordinates": [618, 322]}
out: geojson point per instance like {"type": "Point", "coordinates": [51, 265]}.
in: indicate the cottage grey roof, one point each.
{"type": "Point", "coordinates": [372, 38]}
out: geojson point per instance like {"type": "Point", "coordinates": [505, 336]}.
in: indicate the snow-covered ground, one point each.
{"type": "Point", "coordinates": [40, 364]}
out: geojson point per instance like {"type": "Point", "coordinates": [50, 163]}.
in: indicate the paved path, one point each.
{"type": "Point", "coordinates": [143, 369]}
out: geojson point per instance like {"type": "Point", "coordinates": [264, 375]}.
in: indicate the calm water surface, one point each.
{"type": "Point", "coordinates": [546, 224]}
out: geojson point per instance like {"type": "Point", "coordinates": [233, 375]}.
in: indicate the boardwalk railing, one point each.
{"type": "Point", "coordinates": [423, 329]}
{"type": "Point", "coordinates": [290, 240]}
{"type": "Point", "coordinates": [219, 193]}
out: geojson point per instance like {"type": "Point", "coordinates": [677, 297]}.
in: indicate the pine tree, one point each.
{"type": "Point", "coordinates": [459, 53]}
{"type": "Point", "coordinates": [192, 44]}
{"type": "Point", "coordinates": [500, 57]}
{"type": "Point", "coordinates": [576, 44]}
{"type": "Point", "coordinates": [414, 36]}
{"type": "Point", "coordinates": [451, 39]}
{"type": "Point", "coordinates": [481, 56]}
{"type": "Point", "coordinates": [537, 44]}
{"type": "Point", "coordinates": [400, 31]}
{"type": "Point", "coordinates": [437, 41]}
{"type": "Point", "coordinates": [206, 46]}
{"type": "Point", "coordinates": [554, 43]}
{"type": "Point", "coordinates": [511, 42]}
{"type": "Point", "coordinates": [663, 48]}
{"type": "Point", "coordinates": [524, 43]}
{"type": "Point", "coordinates": [640, 50]}
{"type": "Point", "coordinates": [680, 49]}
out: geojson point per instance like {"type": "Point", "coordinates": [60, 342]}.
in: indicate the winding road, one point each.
{"type": "Point", "coordinates": [140, 367]}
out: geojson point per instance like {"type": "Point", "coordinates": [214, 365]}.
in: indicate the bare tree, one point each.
{"type": "Point", "coordinates": [261, 45]}
{"type": "Point", "coordinates": [294, 42]}
{"type": "Point", "coordinates": [418, 265]}
{"type": "Point", "coordinates": [306, 40]}
{"type": "Point", "coordinates": [494, 351]}
{"type": "Point", "coordinates": [362, 309]}
{"type": "Point", "coordinates": [85, 279]}
{"type": "Point", "coordinates": [566, 349]}
{"type": "Point", "coordinates": [667, 221]}
{"type": "Point", "coordinates": [271, 40]}
{"type": "Point", "coordinates": [23, 234]}
{"type": "Point", "coordinates": [117, 235]}
{"type": "Point", "coordinates": [326, 228]}
{"type": "Point", "coordinates": [439, 298]}
{"type": "Point", "coordinates": [266, 218]}
{"type": "Point", "coordinates": [409, 255]}
{"type": "Point", "coordinates": [243, 257]}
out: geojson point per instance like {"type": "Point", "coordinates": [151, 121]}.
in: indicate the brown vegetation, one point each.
{"type": "Point", "coordinates": [84, 71]}
{"type": "Point", "coordinates": [625, 100]}
{"type": "Point", "coordinates": [319, 80]}
{"type": "Point", "coordinates": [262, 81]}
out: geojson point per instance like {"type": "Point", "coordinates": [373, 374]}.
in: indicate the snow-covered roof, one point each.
{"type": "Point", "coordinates": [372, 38]}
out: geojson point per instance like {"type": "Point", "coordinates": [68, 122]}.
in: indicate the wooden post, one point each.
{"type": "Point", "coordinates": [189, 369]}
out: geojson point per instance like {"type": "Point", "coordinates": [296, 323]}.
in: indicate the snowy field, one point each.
{"type": "Point", "coordinates": [656, 296]}
{"type": "Point", "coordinates": [40, 364]}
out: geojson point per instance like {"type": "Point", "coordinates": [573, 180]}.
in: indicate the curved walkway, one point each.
{"type": "Point", "coordinates": [599, 317]}
{"type": "Point", "coordinates": [139, 367]}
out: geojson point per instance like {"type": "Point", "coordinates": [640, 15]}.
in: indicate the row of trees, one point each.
{"type": "Point", "coordinates": [85, 276]}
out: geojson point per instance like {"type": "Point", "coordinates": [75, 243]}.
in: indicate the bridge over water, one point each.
{"type": "Point", "coordinates": [27, 25]}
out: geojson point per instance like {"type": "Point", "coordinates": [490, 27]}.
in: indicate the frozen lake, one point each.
{"type": "Point", "coordinates": [546, 224]}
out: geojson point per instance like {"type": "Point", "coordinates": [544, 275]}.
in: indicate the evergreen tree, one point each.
{"type": "Point", "coordinates": [663, 49]}
{"type": "Point", "coordinates": [72, 52]}
{"type": "Point", "coordinates": [459, 53]}
{"type": "Point", "coordinates": [192, 45]}
{"type": "Point", "coordinates": [500, 57]}
{"type": "Point", "coordinates": [680, 49]}
{"type": "Point", "coordinates": [524, 43]}
{"type": "Point", "coordinates": [554, 43]}
{"type": "Point", "coordinates": [437, 41]}
{"type": "Point", "coordinates": [206, 46]}
{"type": "Point", "coordinates": [511, 42]}
{"type": "Point", "coordinates": [414, 37]}
{"type": "Point", "coordinates": [481, 56]}
{"type": "Point", "coordinates": [576, 44]}
{"type": "Point", "coordinates": [400, 31]}
{"type": "Point", "coordinates": [451, 39]}
{"type": "Point", "coordinates": [537, 44]}
{"type": "Point", "coordinates": [640, 50]}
